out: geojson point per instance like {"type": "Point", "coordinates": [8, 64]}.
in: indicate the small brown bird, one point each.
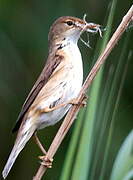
{"type": "Point", "coordinates": [58, 85]}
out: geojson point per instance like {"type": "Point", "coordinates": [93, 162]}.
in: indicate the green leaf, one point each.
{"type": "Point", "coordinates": [123, 166]}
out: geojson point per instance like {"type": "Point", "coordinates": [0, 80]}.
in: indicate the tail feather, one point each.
{"type": "Point", "coordinates": [20, 142]}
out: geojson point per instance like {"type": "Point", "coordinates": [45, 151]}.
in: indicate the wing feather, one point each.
{"type": "Point", "coordinates": [48, 70]}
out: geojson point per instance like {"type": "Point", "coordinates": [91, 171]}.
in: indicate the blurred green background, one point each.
{"type": "Point", "coordinates": [24, 27]}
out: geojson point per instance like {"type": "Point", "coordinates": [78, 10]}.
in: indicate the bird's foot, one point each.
{"type": "Point", "coordinates": [77, 102]}
{"type": "Point", "coordinates": [46, 161]}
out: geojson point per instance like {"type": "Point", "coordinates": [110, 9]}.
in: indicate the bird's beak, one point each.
{"type": "Point", "coordinates": [91, 27]}
{"type": "Point", "coordinates": [94, 28]}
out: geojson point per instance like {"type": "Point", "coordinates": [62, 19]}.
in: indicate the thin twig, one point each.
{"type": "Point", "coordinates": [75, 109]}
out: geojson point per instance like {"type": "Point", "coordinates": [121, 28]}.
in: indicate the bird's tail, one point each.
{"type": "Point", "coordinates": [23, 136]}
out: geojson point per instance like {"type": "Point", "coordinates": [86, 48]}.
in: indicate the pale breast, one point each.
{"type": "Point", "coordinates": [75, 75]}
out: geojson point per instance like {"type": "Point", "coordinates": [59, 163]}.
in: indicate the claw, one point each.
{"type": "Point", "coordinates": [84, 103]}
{"type": "Point", "coordinates": [46, 161]}
{"type": "Point", "coordinates": [46, 164]}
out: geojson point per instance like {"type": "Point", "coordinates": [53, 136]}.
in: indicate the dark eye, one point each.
{"type": "Point", "coordinates": [70, 23]}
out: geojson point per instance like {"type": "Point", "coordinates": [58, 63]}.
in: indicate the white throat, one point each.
{"type": "Point", "coordinates": [70, 48]}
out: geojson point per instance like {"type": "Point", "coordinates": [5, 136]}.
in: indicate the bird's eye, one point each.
{"type": "Point", "coordinates": [69, 23]}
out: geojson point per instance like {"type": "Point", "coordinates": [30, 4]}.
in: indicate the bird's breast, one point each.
{"type": "Point", "coordinates": [74, 60]}
{"type": "Point", "coordinates": [73, 71]}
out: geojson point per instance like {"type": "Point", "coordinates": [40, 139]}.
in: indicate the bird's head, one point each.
{"type": "Point", "coordinates": [70, 27]}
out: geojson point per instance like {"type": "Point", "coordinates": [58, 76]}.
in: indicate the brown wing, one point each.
{"type": "Point", "coordinates": [42, 80]}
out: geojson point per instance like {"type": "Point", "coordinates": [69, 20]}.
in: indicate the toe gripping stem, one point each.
{"type": "Point", "coordinates": [46, 161]}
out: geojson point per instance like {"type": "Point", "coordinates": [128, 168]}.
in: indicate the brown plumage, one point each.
{"type": "Point", "coordinates": [42, 80]}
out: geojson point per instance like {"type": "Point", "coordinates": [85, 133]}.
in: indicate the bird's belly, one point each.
{"type": "Point", "coordinates": [51, 118]}
{"type": "Point", "coordinates": [70, 90]}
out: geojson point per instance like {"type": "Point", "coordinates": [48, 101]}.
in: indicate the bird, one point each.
{"type": "Point", "coordinates": [57, 87]}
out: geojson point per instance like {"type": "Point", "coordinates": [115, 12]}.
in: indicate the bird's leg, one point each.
{"type": "Point", "coordinates": [45, 161]}
{"type": "Point", "coordinates": [37, 141]}
{"type": "Point", "coordinates": [74, 101]}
